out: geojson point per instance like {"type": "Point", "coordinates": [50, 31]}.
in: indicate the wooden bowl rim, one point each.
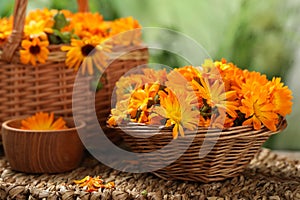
{"type": "Point", "coordinates": [75, 128]}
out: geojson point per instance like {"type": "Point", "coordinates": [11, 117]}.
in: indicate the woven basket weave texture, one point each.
{"type": "Point", "coordinates": [228, 152]}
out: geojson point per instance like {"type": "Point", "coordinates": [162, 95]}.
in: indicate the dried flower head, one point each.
{"type": "Point", "coordinates": [92, 184]}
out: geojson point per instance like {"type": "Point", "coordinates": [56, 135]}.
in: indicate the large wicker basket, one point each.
{"type": "Point", "coordinates": [48, 87]}
{"type": "Point", "coordinates": [232, 152]}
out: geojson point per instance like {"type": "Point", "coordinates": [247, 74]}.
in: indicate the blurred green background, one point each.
{"type": "Point", "coordinates": [259, 35]}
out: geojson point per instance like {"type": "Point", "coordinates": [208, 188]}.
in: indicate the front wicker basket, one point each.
{"type": "Point", "coordinates": [232, 152]}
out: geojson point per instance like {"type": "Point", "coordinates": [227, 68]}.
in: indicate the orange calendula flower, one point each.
{"type": "Point", "coordinates": [215, 95]}
{"type": "Point", "coordinates": [151, 76]}
{"type": "Point", "coordinates": [93, 184]}
{"type": "Point", "coordinates": [251, 79]}
{"type": "Point", "coordinates": [204, 122]}
{"type": "Point", "coordinates": [124, 24]}
{"type": "Point", "coordinates": [258, 109]}
{"type": "Point", "coordinates": [34, 50]}
{"type": "Point", "coordinates": [140, 101]}
{"type": "Point", "coordinates": [89, 53]}
{"type": "Point", "coordinates": [232, 76]}
{"type": "Point", "coordinates": [176, 81]}
{"type": "Point", "coordinates": [126, 85]}
{"type": "Point", "coordinates": [43, 121]}
{"type": "Point", "coordinates": [178, 110]}
{"type": "Point", "coordinates": [125, 31]}
{"type": "Point", "coordinates": [86, 25]}
{"type": "Point", "coordinates": [189, 72]}
{"type": "Point", "coordinates": [280, 97]}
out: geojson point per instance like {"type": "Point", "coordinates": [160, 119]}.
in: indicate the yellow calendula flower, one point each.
{"type": "Point", "coordinates": [88, 53]}
{"type": "Point", "coordinates": [119, 113]}
{"type": "Point", "coordinates": [178, 110]}
{"type": "Point", "coordinates": [140, 101]}
{"type": "Point", "coordinates": [44, 15]}
{"type": "Point", "coordinates": [43, 121]}
{"type": "Point", "coordinates": [5, 29]}
{"type": "Point", "coordinates": [34, 50]}
{"type": "Point", "coordinates": [36, 29]}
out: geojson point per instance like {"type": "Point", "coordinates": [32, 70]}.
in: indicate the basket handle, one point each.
{"type": "Point", "coordinates": [19, 15]}
{"type": "Point", "coordinates": [83, 5]}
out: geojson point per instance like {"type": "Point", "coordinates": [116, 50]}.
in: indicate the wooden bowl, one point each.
{"type": "Point", "coordinates": [34, 151]}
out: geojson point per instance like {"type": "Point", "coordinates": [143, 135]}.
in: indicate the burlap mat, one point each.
{"type": "Point", "coordinates": [267, 177]}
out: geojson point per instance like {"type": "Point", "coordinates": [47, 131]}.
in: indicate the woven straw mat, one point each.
{"type": "Point", "coordinates": [268, 176]}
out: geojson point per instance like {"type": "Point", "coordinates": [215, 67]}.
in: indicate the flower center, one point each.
{"type": "Point", "coordinates": [35, 49]}
{"type": "Point", "coordinates": [86, 49]}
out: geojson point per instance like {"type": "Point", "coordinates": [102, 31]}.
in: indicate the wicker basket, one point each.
{"type": "Point", "coordinates": [48, 87]}
{"type": "Point", "coordinates": [234, 149]}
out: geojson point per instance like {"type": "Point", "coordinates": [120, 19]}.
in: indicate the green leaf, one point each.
{"type": "Point", "coordinates": [75, 36]}
{"type": "Point", "coordinates": [65, 37]}
{"type": "Point", "coordinates": [54, 39]}
{"type": "Point", "coordinates": [60, 21]}
{"type": "Point", "coordinates": [58, 37]}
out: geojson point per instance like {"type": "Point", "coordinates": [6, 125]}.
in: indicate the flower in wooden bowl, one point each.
{"type": "Point", "coordinates": [42, 144]}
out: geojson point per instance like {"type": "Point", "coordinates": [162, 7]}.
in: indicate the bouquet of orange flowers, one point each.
{"type": "Point", "coordinates": [217, 94]}
{"type": "Point", "coordinates": [83, 34]}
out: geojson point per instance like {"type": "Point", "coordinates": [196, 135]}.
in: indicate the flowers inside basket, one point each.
{"type": "Point", "coordinates": [234, 109]}
{"type": "Point", "coordinates": [42, 143]}
{"type": "Point", "coordinates": [45, 48]}
{"type": "Point", "coordinates": [79, 33]}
